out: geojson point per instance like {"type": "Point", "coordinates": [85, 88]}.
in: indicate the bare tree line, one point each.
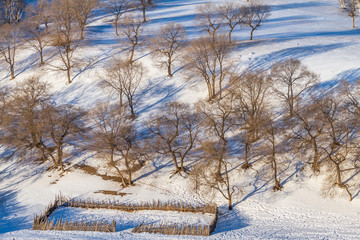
{"type": "Point", "coordinates": [323, 128]}
{"type": "Point", "coordinates": [62, 24]}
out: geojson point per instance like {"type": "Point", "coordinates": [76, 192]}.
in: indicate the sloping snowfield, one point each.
{"type": "Point", "coordinates": [317, 32]}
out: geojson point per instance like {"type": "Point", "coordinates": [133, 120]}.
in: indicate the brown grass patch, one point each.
{"type": "Point", "coordinates": [93, 171]}
{"type": "Point", "coordinates": [108, 192]}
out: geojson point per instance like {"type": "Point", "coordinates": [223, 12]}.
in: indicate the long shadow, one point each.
{"type": "Point", "coordinates": [298, 5]}
{"type": "Point", "coordinates": [266, 61]}
{"type": "Point", "coordinates": [349, 76]}
{"type": "Point", "coordinates": [173, 4]}
{"type": "Point", "coordinates": [299, 35]}
{"type": "Point", "coordinates": [289, 18]}
{"type": "Point", "coordinates": [230, 220]}
{"type": "Point", "coordinates": [156, 169]}
{"type": "Point", "coordinates": [166, 93]}
{"type": "Point", "coordinates": [10, 208]}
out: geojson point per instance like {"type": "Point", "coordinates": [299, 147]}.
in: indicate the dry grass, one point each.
{"type": "Point", "coordinates": [93, 171]}
{"type": "Point", "coordinates": [115, 193]}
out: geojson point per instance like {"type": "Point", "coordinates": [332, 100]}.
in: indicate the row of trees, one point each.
{"type": "Point", "coordinates": [241, 128]}
{"type": "Point", "coordinates": [61, 25]}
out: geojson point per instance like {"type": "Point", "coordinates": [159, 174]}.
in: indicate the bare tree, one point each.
{"type": "Point", "coordinates": [212, 172]}
{"type": "Point", "coordinates": [176, 133]}
{"type": "Point", "coordinates": [24, 127]}
{"type": "Point", "coordinates": [352, 101]}
{"type": "Point", "coordinates": [207, 60]}
{"type": "Point", "coordinates": [256, 13]}
{"type": "Point", "coordinates": [272, 149]}
{"type": "Point", "coordinates": [64, 124]}
{"type": "Point", "coordinates": [340, 143]}
{"type": "Point", "coordinates": [124, 78]}
{"type": "Point", "coordinates": [233, 14]}
{"type": "Point", "coordinates": [115, 138]}
{"type": "Point", "coordinates": [308, 127]}
{"type": "Point", "coordinates": [250, 91]}
{"type": "Point", "coordinates": [209, 19]}
{"type": "Point", "coordinates": [10, 36]}
{"type": "Point", "coordinates": [3, 101]}
{"type": "Point", "coordinates": [11, 11]}
{"type": "Point", "coordinates": [40, 12]}
{"type": "Point", "coordinates": [117, 9]}
{"type": "Point", "coordinates": [65, 36]}
{"type": "Point", "coordinates": [143, 5]}
{"type": "Point", "coordinates": [206, 179]}
{"type": "Point", "coordinates": [352, 8]}
{"type": "Point", "coordinates": [132, 29]}
{"type": "Point", "coordinates": [219, 120]}
{"type": "Point", "coordinates": [167, 43]}
{"type": "Point", "coordinates": [82, 10]}
{"type": "Point", "coordinates": [37, 37]}
{"type": "Point", "coordinates": [292, 79]}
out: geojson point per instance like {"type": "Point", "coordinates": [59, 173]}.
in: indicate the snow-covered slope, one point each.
{"type": "Point", "coordinates": [317, 32]}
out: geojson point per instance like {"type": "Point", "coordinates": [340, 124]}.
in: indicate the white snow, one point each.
{"type": "Point", "coordinates": [317, 32]}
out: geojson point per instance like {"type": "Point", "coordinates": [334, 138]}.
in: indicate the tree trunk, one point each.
{"type": "Point", "coordinates": [213, 88]}
{"type": "Point", "coordinates": [12, 72]}
{"type": "Point", "coordinates": [177, 169]}
{"type": "Point", "coordinates": [131, 105]}
{"type": "Point", "coordinates": [230, 203]}
{"type": "Point", "coordinates": [353, 21]}
{"type": "Point", "coordinates": [221, 159]}
{"type": "Point", "coordinates": [132, 54]}
{"type": "Point", "coordinates": [82, 33]}
{"type": "Point", "coordinates": [230, 32]}
{"type": "Point", "coordinates": [143, 10]}
{"type": "Point", "coordinates": [246, 164]}
{"type": "Point", "coordinates": [252, 33]}
{"type": "Point", "coordinates": [116, 27]}
{"type": "Point", "coordinates": [316, 164]}
{"type": "Point", "coordinates": [60, 156]}
{"type": "Point", "coordinates": [169, 69]}
{"type": "Point", "coordinates": [41, 58]}
{"type": "Point", "coordinates": [68, 75]}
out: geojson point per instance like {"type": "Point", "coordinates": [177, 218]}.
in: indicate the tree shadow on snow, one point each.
{"type": "Point", "coordinates": [10, 208]}
{"type": "Point", "coordinates": [286, 6]}
{"type": "Point", "coordinates": [266, 61]}
{"type": "Point", "coordinates": [230, 220]}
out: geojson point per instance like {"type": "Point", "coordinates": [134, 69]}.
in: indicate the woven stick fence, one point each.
{"type": "Point", "coordinates": [60, 225]}
{"type": "Point", "coordinates": [41, 222]}
{"type": "Point", "coordinates": [153, 205]}
{"type": "Point", "coordinates": [173, 229]}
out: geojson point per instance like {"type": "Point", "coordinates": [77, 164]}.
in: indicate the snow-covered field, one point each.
{"type": "Point", "coordinates": [317, 32]}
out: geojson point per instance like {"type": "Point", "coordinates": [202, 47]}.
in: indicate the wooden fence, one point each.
{"type": "Point", "coordinates": [176, 229]}
{"type": "Point", "coordinates": [152, 205]}
{"type": "Point", "coordinates": [41, 221]}
{"type": "Point", "coordinates": [60, 225]}
{"type": "Point", "coordinates": [173, 229]}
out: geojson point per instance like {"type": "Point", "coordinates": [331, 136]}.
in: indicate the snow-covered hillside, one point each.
{"type": "Point", "coordinates": [317, 32]}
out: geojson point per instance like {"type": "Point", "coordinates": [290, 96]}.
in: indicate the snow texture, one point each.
{"type": "Point", "coordinates": [317, 32]}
